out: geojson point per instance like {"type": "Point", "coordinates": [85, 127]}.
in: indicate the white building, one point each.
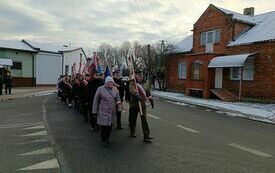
{"type": "Point", "coordinates": [71, 57]}
{"type": "Point", "coordinates": [53, 61]}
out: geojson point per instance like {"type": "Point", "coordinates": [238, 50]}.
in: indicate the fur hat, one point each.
{"type": "Point", "coordinates": [109, 79]}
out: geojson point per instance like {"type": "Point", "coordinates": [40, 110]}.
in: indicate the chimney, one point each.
{"type": "Point", "coordinates": [249, 11]}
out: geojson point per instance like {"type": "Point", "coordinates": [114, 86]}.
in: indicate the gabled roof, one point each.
{"type": "Point", "coordinates": [239, 17]}
{"type": "Point", "coordinates": [49, 47]}
{"type": "Point", "coordinates": [184, 46]}
{"type": "Point", "coordinates": [262, 27]}
{"type": "Point", "coordinates": [264, 30]}
{"type": "Point", "coordinates": [15, 45]}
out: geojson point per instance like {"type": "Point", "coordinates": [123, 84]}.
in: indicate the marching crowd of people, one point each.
{"type": "Point", "coordinates": [100, 100]}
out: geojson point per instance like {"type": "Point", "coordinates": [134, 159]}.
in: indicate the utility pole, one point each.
{"type": "Point", "coordinates": [148, 51]}
{"type": "Point", "coordinates": [162, 46]}
{"type": "Point", "coordinates": [164, 63]}
{"type": "Point", "coordinates": [148, 60]}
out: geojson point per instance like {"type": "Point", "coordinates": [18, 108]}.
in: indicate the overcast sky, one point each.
{"type": "Point", "coordinates": [88, 23]}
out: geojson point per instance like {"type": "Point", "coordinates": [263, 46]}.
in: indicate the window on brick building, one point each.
{"type": "Point", "coordinates": [235, 73]}
{"type": "Point", "coordinates": [197, 70]}
{"type": "Point", "coordinates": [212, 36]}
{"type": "Point", "coordinates": [248, 71]}
{"type": "Point", "coordinates": [182, 69]}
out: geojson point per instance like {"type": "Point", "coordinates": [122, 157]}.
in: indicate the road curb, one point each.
{"type": "Point", "coordinates": [40, 93]}
{"type": "Point", "coordinates": [247, 116]}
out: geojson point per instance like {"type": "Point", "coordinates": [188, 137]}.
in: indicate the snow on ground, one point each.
{"type": "Point", "coordinates": [255, 111]}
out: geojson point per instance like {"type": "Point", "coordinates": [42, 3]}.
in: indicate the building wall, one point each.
{"type": "Point", "coordinates": [73, 57]}
{"type": "Point", "coordinates": [209, 20]}
{"type": "Point", "coordinates": [49, 68]}
{"type": "Point", "coordinates": [239, 28]}
{"type": "Point", "coordinates": [26, 77]}
{"type": "Point", "coordinates": [262, 87]}
{"type": "Point", "coordinates": [185, 85]}
{"type": "Point", "coordinates": [174, 83]}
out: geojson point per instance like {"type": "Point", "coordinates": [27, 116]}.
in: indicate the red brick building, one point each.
{"type": "Point", "coordinates": [229, 55]}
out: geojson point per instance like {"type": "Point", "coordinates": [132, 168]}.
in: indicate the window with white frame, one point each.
{"type": "Point", "coordinates": [197, 70]}
{"type": "Point", "coordinates": [248, 71]}
{"type": "Point", "coordinates": [209, 37]}
{"type": "Point", "coordinates": [235, 73]}
{"type": "Point", "coordinates": [182, 68]}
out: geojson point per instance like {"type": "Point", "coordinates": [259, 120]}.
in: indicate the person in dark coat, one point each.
{"type": "Point", "coordinates": [93, 85]}
{"type": "Point", "coordinates": [119, 83]}
{"type": "Point", "coordinates": [127, 97]}
{"type": "Point", "coordinates": [69, 90]}
{"type": "Point", "coordinates": [75, 92]}
{"type": "Point", "coordinates": [63, 90]}
{"type": "Point", "coordinates": [8, 82]}
{"type": "Point", "coordinates": [81, 93]}
{"type": "Point", "coordinates": [1, 84]}
{"type": "Point", "coordinates": [58, 86]}
{"type": "Point", "coordinates": [84, 95]}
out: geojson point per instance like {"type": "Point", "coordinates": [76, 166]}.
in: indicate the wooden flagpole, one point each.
{"type": "Point", "coordinates": [135, 82]}
{"type": "Point", "coordinates": [106, 61]}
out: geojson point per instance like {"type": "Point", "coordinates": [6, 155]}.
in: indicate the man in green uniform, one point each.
{"type": "Point", "coordinates": [140, 93]}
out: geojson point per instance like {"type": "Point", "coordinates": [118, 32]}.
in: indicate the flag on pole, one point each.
{"type": "Point", "coordinates": [99, 69]}
{"type": "Point", "coordinates": [80, 64]}
{"type": "Point", "coordinates": [87, 65]}
{"type": "Point", "coordinates": [130, 67]}
{"type": "Point", "coordinates": [107, 72]}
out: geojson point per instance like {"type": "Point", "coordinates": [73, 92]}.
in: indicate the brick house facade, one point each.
{"type": "Point", "coordinates": [228, 32]}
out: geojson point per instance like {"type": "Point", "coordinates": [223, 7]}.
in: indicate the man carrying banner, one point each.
{"type": "Point", "coordinates": [140, 92]}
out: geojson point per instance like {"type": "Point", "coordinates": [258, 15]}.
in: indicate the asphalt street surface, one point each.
{"type": "Point", "coordinates": [24, 142]}
{"type": "Point", "coordinates": [186, 139]}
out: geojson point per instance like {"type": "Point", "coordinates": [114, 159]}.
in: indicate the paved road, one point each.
{"type": "Point", "coordinates": [186, 139]}
{"type": "Point", "coordinates": [24, 142]}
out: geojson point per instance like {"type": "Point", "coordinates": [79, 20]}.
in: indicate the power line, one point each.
{"type": "Point", "coordinates": [139, 7]}
{"type": "Point", "coordinates": [155, 14]}
{"type": "Point", "coordinates": [147, 35]}
{"type": "Point", "coordinates": [139, 14]}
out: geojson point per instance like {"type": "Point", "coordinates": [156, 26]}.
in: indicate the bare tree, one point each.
{"type": "Point", "coordinates": [155, 63]}
{"type": "Point", "coordinates": [104, 50]}
{"type": "Point", "coordinates": [125, 50]}
{"type": "Point", "coordinates": [138, 54]}
{"type": "Point", "coordinates": [115, 57]}
{"type": "Point", "coordinates": [150, 58]}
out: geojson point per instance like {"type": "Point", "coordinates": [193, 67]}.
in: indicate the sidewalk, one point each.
{"type": "Point", "coordinates": [255, 111]}
{"type": "Point", "coordinates": [23, 92]}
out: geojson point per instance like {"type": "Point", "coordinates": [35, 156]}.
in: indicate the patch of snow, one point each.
{"type": "Point", "coordinates": [51, 47]}
{"type": "Point", "coordinates": [262, 31]}
{"type": "Point", "coordinates": [17, 44]}
{"type": "Point", "coordinates": [228, 61]}
{"type": "Point", "coordinates": [263, 26]}
{"type": "Point", "coordinates": [256, 111]}
{"type": "Point", "coordinates": [185, 45]}
{"type": "Point", "coordinates": [239, 16]}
